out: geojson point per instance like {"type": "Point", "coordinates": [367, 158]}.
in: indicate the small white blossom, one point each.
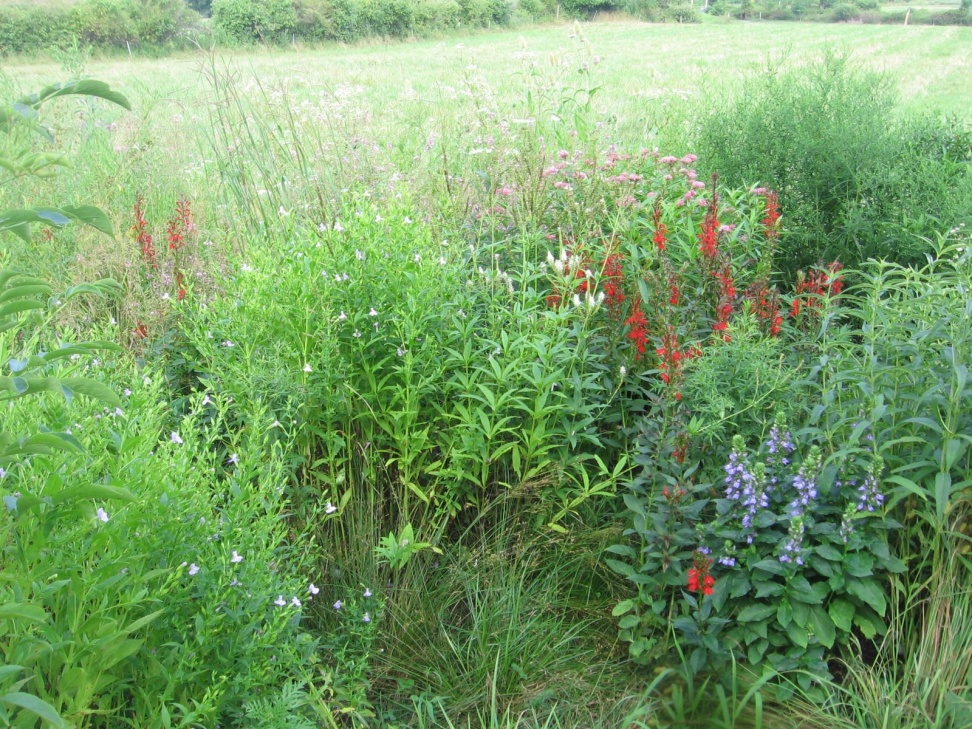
{"type": "Point", "coordinates": [102, 514]}
{"type": "Point", "coordinates": [313, 589]}
{"type": "Point", "coordinates": [368, 592]}
{"type": "Point", "coordinates": [236, 558]}
{"type": "Point", "coordinates": [338, 605]}
{"type": "Point", "coordinates": [307, 368]}
{"type": "Point", "coordinates": [193, 569]}
{"type": "Point", "coordinates": [372, 312]}
{"type": "Point", "coordinates": [295, 602]}
{"type": "Point", "coordinates": [330, 508]}
{"type": "Point", "coordinates": [366, 618]}
{"type": "Point", "coordinates": [280, 601]}
{"type": "Point", "coordinates": [174, 437]}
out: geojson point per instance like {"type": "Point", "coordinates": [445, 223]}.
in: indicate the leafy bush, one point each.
{"type": "Point", "coordinates": [34, 28]}
{"type": "Point", "coordinates": [251, 21]}
{"type": "Point", "coordinates": [854, 181]}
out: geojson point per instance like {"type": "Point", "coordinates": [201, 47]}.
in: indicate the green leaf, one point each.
{"type": "Point", "coordinates": [754, 613]}
{"type": "Point", "coordinates": [23, 611]}
{"type": "Point", "coordinates": [82, 87]}
{"type": "Point", "coordinates": [829, 552]}
{"type": "Point", "coordinates": [797, 635]}
{"type": "Point", "coordinates": [841, 611]}
{"type": "Point", "coordinates": [92, 491]}
{"type": "Point", "coordinates": [93, 389]}
{"type": "Point", "coordinates": [823, 626]}
{"type": "Point", "coordinates": [869, 592]}
{"type": "Point", "coordinates": [625, 606]}
{"type": "Point", "coordinates": [772, 566]}
{"type": "Point", "coordinates": [859, 564]}
{"type": "Point", "coordinates": [90, 215]}
{"type": "Point", "coordinates": [870, 626]}
{"type": "Point", "coordinates": [35, 706]}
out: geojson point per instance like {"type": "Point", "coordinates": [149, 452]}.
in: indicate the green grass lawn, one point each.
{"type": "Point", "coordinates": [931, 65]}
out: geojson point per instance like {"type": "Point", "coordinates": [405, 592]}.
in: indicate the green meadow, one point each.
{"type": "Point", "coordinates": [603, 374]}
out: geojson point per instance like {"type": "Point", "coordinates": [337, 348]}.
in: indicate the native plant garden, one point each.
{"type": "Point", "coordinates": [475, 390]}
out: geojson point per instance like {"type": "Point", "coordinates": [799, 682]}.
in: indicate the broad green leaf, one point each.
{"type": "Point", "coordinates": [23, 611]}
{"type": "Point", "coordinates": [35, 706]}
{"type": "Point", "coordinates": [625, 606]}
{"type": "Point", "coordinates": [81, 87]}
{"type": "Point", "coordinates": [93, 389]}
{"type": "Point", "coordinates": [92, 491]}
{"type": "Point", "coordinates": [841, 611]}
{"type": "Point", "coordinates": [869, 592]}
{"type": "Point", "coordinates": [90, 215]}
{"type": "Point", "coordinates": [24, 290]}
{"type": "Point", "coordinates": [754, 613]}
{"type": "Point", "coordinates": [823, 626]}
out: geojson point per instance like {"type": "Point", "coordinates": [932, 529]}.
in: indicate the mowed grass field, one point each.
{"type": "Point", "coordinates": [932, 66]}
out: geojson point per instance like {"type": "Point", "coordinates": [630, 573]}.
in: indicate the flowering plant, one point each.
{"type": "Point", "coordinates": [791, 552]}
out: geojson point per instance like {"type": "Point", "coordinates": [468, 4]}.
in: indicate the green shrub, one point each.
{"type": "Point", "coordinates": [252, 21]}
{"type": "Point", "coordinates": [854, 180]}
{"type": "Point", "coordinates": [160, 22]}
{"type": "Point", "coordinates": [34, 28]}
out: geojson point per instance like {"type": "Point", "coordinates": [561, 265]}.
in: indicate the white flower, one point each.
{"type": "Point", "coordinates": [368, 592]}
{"type": "Point", "coordinates": [338, 605]}
{"type": "Point", "coordinates": [193, 569]}
{"type": "Point", "coordinates": [234, 458]}
{"type": "Point", "coordinates": [359, 255]}
{"type": "Point", "coordinates": [342, 316]}
{"type": "Point", "coordinates": [407, 220]}
{"type": "Point", "coordinates": [377, 217]}
{"type": "Point", "coordinates": [236, 558]}
{"type": "Point", "coordinates": [623, 371]}
{"type": "Point", "coordinates": [275, 424]}
{"type": "Point", "coordinates": [366, 618]}
{"type": "Point", "coordinates": [372, 312]}
{"type": "Point", "coordinates": [417, 258]}
{"type": "Point", "coordinates": [330, 508]}
{"type": "Point", "coordinates": [295, 602]}
{"type": "Point", "coordinates": [282, 211]}
{"type": "Point", "coordinates": [280, 601]}
{"type": "Point", "coordinates": [307, 368]}
{"type": "Point", "coordinates": [442, 260]}
{"type": "Point", "coordinates": [174, 437]}
{"type": "Point", "coordinates": [356, 334]}
{"type": "Point", "coordinates": [102, 514]}
{"type": "Point", "coordinates": [228, 343]}
{"type": "Point", "coordinates": [337, 226]}
{"type": "Point", "coordinates": [313, 589]}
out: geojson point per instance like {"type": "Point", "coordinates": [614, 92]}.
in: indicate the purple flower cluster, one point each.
{"type": "Point", "coordinates": [792, 550]}
{"type": "Point", "coordinates": [745, 485]}
{"type": "Point", "coordinates": [804, 483]}
{"type": "Point", "coordinates": [869, 493]}
{"type": "Point", "coordinates": [779, 447]}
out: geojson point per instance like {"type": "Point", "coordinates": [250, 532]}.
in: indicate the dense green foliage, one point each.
{"type": "Point", "coordinates": [855, 179]}
{"type": "Point", "coordinates": [103, 23]}
{"type": "Point", "coordinates": [472, 412]}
